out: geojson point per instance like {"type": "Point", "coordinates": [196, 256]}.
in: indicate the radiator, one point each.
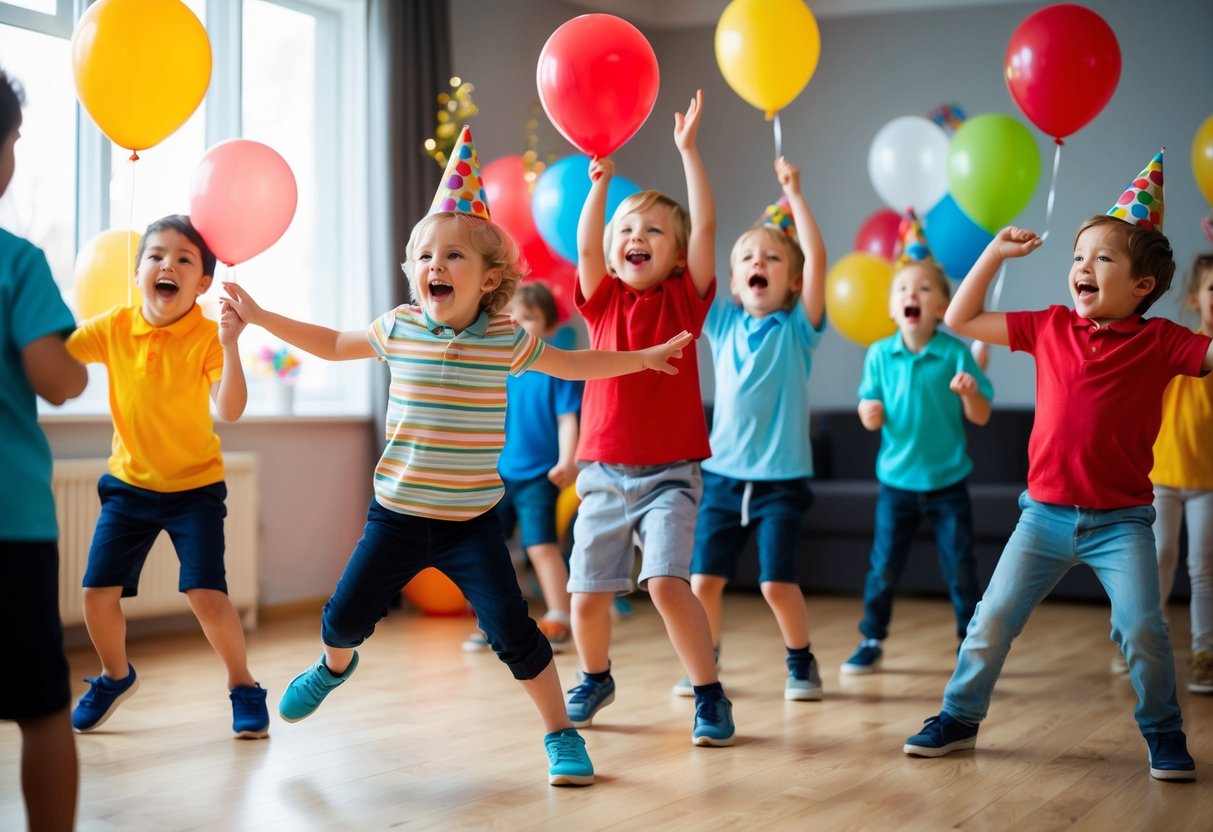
{"type": "Point", "coordinates": [77, 506]}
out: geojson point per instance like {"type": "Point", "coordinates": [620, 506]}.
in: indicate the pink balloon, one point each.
{"type": "Point", "coordinates": [879, 234]}
{"type": "Point", "coordinates": [242, 199]}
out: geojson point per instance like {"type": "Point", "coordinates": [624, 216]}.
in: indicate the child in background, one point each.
{"type": "Point", "coordinates": [1101, 372]}
{"type": "Point", "coordinates": [919, 386]}
{"type": "Point", "coordinates": [166, 364]}
{"type": "Point", "coordinates": [34, 322]}
{"type": "Point", "coordinates": [758, 475]}
{"type": "Point", "coordinates": [643, 436]}
{"type": "Point", "coordinates": [538, 460]}
{"type": "Point", "coordinates": [1183, 486]}
{"type": "Point", "coordinates": [437, 482]}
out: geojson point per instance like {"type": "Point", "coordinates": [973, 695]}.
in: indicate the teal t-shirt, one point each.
{"type": "Point", "coordinates": [30, 308]}
{"type": "Point", "coordinates": [922, 443]}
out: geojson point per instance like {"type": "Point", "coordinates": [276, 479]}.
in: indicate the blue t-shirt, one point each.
{"type": "Point", "coordinates": [760, 422]}
{"type": "Point", "coordinates": [532, 441]}
{"type": "Point", "coordinates": [30, 308]}
{"type": "Point", "coordinates": [922, 443]}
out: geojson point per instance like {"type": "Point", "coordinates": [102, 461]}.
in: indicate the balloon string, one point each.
{"type": "Point", "coordinates": [1052, 192]}
{"type": "Point", "coordinates": [130, 224]}
{"type": "Point", "coordinates": [778, 136]}
{"type": "Point", "coordinates": [1002, 273]}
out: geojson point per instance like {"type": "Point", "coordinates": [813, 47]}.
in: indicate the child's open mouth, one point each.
{"type": "Point", "coordinates": [757, 281]}
{"type": "Point", "coordinates": [913, 313]}
{"type": "Point", "coordinates": [441, 291]}
{"type": "Point", "coordinates": [166, 289]}
{"type": "Point", "coordinates": [1085, 289]}
{"type": "Point", "coordinates": [636, 258]}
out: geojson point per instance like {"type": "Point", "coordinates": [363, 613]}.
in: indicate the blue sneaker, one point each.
{"type": "Point", "coordinates": [568, 764]}
{"type": "Point", "coordinates": [103, 697]}
{"type": "Point", "coordinates": [713, 721]}
{"type": "Point", "coordinates": [1169, 757]}
{"type": "Point", "coordinates": [941, 735]}
{"type": "Point", "coordinates": [804, 681]}
{"type": "Point", "coordinates": [588, 698]}
{"type": "Point", "coordinates": [865, 659]}
{"type": "Point", "coordinates": [307, 690]}
{"type": "Point", "coordinates": [250, 718]}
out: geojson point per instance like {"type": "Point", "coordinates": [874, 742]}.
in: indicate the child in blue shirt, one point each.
{"type": "Point", "coordinates": [919, 386]}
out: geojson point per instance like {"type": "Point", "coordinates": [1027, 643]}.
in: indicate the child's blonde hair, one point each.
{"type": "Point", "coordinates": [794, 252]}
{"type": "Point", "coordinates": [936, 270]}
{"type": "Point", "coordinates": [489, 240]}
{"type": "Point", "coordinates": [1149, 254]}
{"type": "Point", "coordinates": [642, 202]}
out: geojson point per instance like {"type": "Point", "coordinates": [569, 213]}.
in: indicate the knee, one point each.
{"type": "Point", "coordinates": [665, 590]}
{"type": "Point", "coordinates": [95, 598]}
{"type": "Point", "coordinates": [207, 602]}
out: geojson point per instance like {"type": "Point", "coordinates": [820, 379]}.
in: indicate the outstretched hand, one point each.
{"type": "Point", "coordinates": [601, 167]}
{"type": "Point", "coordinates": [788, 175]}
{"type": "Point", "coordinates": [659, 358]}
{"type": "Point", "coordinates": [240, 303]}
{"type": "Point", "coordinates": [1013, 241]}
{"type": "Point", "coordinates": [687, 126]}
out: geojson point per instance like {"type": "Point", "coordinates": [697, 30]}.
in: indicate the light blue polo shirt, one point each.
{"type": "Point", "coordinates": [760, 426]}
{"type": "Point", "coordinates": [30, 308]}
{"type": "Point", "coordinates": [922, 443]}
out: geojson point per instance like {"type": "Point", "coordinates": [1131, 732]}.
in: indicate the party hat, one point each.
{"type": "Point", "coordinates": [913, 241]}
{"type": "Point", "coordinates": [779, 217]}
{"type": "Point", "coordinates": [461, 188]}
{"type": "Point", "coordinates": [1142, 202]}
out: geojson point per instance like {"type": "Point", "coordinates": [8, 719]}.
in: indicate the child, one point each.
{"type": "Point", "coordinates": [919, 386]}
{"type": "Point", "coordinates": [33, 362]}
{"type": "Point", "coordinates": [166, 364]}
{"type": "Point", "coordinates": [758, 474]}
{"type": "Point", "coordinates": [437, 481]}
{"type": "Point", "coordinates": [1183, 486]}
{"type": "Point", "coordinates": [538, 460]}
{"type": "Point", "coordinates": [643, 436]}
{"type": "Point", "coordinates": [1102, 370]}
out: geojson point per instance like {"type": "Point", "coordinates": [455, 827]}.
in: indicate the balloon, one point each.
{"type": "Point", "coordinates": [598, 79]}
{"type": "Point", "coordinates": [954, 239]}
{"type": "Point", "coordinates": [1062, 66]}
{"type": "Point", "coordinates": [105, 273]}
{"type": "Point", "coordinates": [141, 68]}
{"type": "Point", "coordinates": [508, 192]}
{"type": "Point", "coordinates": [567, 503]}
{"type": "Point", "coordinates": [560, 280]}
{"type": "Point", "coordinates": [857, 295]}
{"type": "Point", "coordinates": [908, 163]}
{"type": "Point", "coordinates": [879, 234]}
{"type": "Point", "coordinates": [767, 50]}
{"type": "Point", "coordinates": [434, 593]}
{"type": "Point", "coordinates": [1202, 158]}
{"type": "Point", "coordinates": [559, 194]}
{"type": "Point", "coordinates": [242, 199]}
{"type": "Point", "coordinates": [993, 167]}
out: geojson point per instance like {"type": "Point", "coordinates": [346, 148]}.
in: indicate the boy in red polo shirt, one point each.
{"type": "Point", "coordinates": [642, 437]}
{"type": "Point", "coordinates": [1101, 372]}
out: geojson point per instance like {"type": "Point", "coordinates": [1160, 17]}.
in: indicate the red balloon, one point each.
{"type": "Point", "coordinates": [598, 80]}
{"type": "Point", "coordinates": [509, 196]}
{"type": "Point", "coordinates": [1062, 66]}
{"type": "Point", "coordinates": [559, 279]}
{"type": "Point", "coordinates": [879, 234]}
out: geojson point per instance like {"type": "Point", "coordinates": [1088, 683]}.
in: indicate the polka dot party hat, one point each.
{"type": "Point", "coordinates": [1142, 202]}
{"type": "Point", "coordinates": [913, 241]}
{"type": "Point", "coordinates": [779, 217]}
{"type": "Point", "coordinates": [462, 189]}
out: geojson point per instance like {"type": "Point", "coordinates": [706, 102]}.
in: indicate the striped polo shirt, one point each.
{"type": "Point", "coordinates": [446, 410]}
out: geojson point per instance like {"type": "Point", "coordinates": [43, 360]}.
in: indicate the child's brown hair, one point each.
{"type": "Point", "coordinates": [538, 296]}
{"type": "Point", "coordinates": [1149, 254]}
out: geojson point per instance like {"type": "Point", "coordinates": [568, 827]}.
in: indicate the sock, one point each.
{"type": "Point", "coordinates": [798, 660]}
{"type": "Point", "coordinates": [600, 678]}
{"type": "Point", "coordinates": [556, 615]}
{"type": "Point", "coordinates": [713, 690]}
{"type": "Point", "coordinates": [870, 642]}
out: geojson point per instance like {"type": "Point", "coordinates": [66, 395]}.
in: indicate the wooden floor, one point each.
{"type": "Point", "coordinates": [427, 737]}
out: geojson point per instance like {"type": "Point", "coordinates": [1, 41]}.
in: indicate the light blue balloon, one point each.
{"type": "Point", "coordinates": [560, 192]}
{"type": "Point", "coordinates": [955, 240]}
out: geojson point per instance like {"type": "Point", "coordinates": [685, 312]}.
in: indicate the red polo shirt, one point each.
{"type": "Point", "coordinates": [1099, 402]}
{"type": "Point", "coordinates": [646, 418]}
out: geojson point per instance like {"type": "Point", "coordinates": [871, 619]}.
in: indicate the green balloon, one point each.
{"type": "Point", "coordinates": [993, 168]}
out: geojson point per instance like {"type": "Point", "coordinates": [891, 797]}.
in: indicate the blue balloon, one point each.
{"type": "Point", "coordinates": [955, 240]}
{"type": "Point", "coordinates": [559, 194]}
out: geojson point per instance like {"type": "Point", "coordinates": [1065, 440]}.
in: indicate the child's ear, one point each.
{"type": "Point", "coordinates": [492, 279]}
{"type": "Point", "coordinates": [204, 284]}
{"type": "Point", "coordinates": [1144, 286]}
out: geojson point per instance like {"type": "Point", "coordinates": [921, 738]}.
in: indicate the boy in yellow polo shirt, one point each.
{"type": "Point", "coordinates": [166, 364]}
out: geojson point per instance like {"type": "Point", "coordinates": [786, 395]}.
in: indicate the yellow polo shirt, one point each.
{"type": "Point", "coordinates": [160, 396]}
{"type": "Point", "coordinates": [1183, 452]}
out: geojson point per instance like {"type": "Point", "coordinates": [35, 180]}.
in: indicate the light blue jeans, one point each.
{"type": "Point", "coordinates": [1048, 541]}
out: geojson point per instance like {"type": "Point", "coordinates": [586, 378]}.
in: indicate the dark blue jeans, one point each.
{"type": "Point", "coordinates": [898, 515]}
{"type": "Point", "coordinates": [472, 553]}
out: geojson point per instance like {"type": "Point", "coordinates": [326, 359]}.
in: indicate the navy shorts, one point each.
{"type": "Point", "coordinates": [530, 505]}
{"type": "Point", "coordinates": [29, 613]}
{"type": "Point", "coordinates": [131, 519]}
{"type": "Point", "coordinates": [775, 513]}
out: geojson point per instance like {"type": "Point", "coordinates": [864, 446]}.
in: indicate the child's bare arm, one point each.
{"type": "Point", "coordinates": [230, 392]}
{"type": "Point", "coordinates": [564, 472]}
{"type": "Point", "coordinates": [871, 413]}
{"type": "Point", "coordinates": [976, 406]}
{"type": "Point", "coordinates": [591, 258]}
{"type": "Point", "coordinates": [813, 288]}
{"type": "Point", "coordinates": [701, 247]}
{"type": "Point", "coordinates": [320, 341]}
{"type": "Point", "coordinates": [966, 313]}
{"type": "Point", "coordinates": [583, 365]}
{"type": "Point", "coordinates": [51, 370]}
{"type": "Point", "coordinates": [1209, 358]}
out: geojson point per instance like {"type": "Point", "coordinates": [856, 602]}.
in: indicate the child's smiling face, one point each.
{"type": "Point", "coordinates": [449, 275]}
{"type": "Point", "coordinates": [644, 248]}
{"type": "Point", "coordinates": [916, 301]}
{"type": "Point", "coordinates": [170, 274]}
{"type": "Point", "coordinates": [1101, 281]}
{"type": "Point", "coordinates": [759, 275]}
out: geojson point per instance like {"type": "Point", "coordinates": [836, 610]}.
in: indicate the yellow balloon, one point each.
{"type": "Point", "coordinates": [857, 297]}
{"type": "Point", "coordinates": [767, 50]}
{"type": "Point", "coordinates": [567, 504]}
{"type": "Point", "coordinates": [105, 273]}
{"type": "Point", "coordinates": [141, 68]}
{"type": "Point", "coordinates": [1202, 158]}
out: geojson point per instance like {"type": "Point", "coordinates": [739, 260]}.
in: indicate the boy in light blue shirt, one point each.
{"type": "Point", "coordinates": [919, 386]}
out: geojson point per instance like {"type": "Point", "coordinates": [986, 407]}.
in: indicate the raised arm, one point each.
{"type": "Point", "coordinates": [701, 248]}
{"type": "Point", "coordinates": [813, 287]}
{"type": "Point", "coordinates": [320, 341]}
{"type": "Point", "coordinates": [591, 255]}
{"type": "Point", "coordinates": [51, 370]}
{"type": "Point", "coordinates": [966, 313]}
{"type": "Point", "coordinates": [582, 365]}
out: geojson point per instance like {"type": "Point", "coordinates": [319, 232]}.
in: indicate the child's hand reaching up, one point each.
{"type": "Point", "coordinates": [963, 384]}
{"type": "Point", "coordinates": [659, 358]}
{"type": "Point", "coordinates": [788, 175]}
{"type": "Point", "coordinates": [603, 169]}
{"type": "Point", "coordinates": [1013, 241]}
{"type": "Point", "coordinates": [240, 303]}
{"type": "Point", "coordinates": [230, 325]}
{"type": "Point", "coordinates": [687, 126]}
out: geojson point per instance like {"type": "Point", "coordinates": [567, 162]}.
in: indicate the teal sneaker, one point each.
{"type": "Point", "coordinates": [102, 699]}
{"type": "Point", "coordinates": [941, 735]}
{"type": "Point", "coordinates": [804, 681]}
{"type": "Point", "coordinates": [568, 763]}
{"type": "Point", "coordinates": [250, 717]}
{"type": "Point", "coordinates": [1169, 757]}
{"type": "Point", "coordinates": [588, 698]}
{"type": "Point", "coordinates": [307, 690]}
{"type": "Point", "coordinates": [713, 721]}
{"type": "Point", "coordinates": [865, 659]}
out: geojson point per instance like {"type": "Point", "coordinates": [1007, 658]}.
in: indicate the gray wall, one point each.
{"type": "Point", "coordinates": [874, 68]}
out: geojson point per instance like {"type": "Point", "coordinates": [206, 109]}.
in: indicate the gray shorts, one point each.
{"type": "Point", "coordinates": [657, 504]}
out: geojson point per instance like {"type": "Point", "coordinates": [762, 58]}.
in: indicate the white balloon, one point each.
{"type": "Point", "coordinates": [908, 164]}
